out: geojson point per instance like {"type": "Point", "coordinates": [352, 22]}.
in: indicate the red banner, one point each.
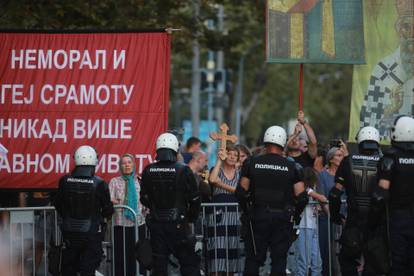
{"type": "Point", "coordinates": [61, 91]}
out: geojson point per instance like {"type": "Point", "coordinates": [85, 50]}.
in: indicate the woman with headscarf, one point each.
{"type": "Point", "coordinates": [124, 190]}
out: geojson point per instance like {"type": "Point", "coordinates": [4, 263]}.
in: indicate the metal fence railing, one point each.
{"type": "Point", "coordinates": [26, 236]}
{"type": "Point", "coordinates": [24, 239]}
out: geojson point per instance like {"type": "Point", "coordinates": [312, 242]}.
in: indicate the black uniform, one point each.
{"type": "Point", "coordinates": [170, 191]}
{"type": "Point", "coordinates": [83, 201]}
{"type": "Point", "coordinates": [358, 175]}
{"type": "Point", "coordinates": [272, 178]}
{"type": "Point", "coordinates": [397, 166]}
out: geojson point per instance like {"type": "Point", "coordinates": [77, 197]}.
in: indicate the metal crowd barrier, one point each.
{"type": "Point", "coordinates": [25, 235]}
{"type": "Point", "coordinates": [216, 216]}
{"type": "Point", "coordinates": [25, 240]}
{"type": "Point", "coordinates": [108, 265]}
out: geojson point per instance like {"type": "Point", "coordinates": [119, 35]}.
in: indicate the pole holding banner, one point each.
{"type": "Point", "coordinates": [301, 87]}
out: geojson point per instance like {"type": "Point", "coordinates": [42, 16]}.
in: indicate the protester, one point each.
{"type": "Point", "coordinates": [83, 202]}
{"type": "Point", "coordinates": [192, 145]}
{"type": "Point", "coordinates": [198, 164]}
{"type": "Point", "coordinates": [306, 157]}
{"type": "Point", "coordinates": [244, 154]}
{"type": "Point", "coordinates": [307, 253]}
{"type": "Point", "coordinates": [223, 222]}
{"type": "Point", "coordinates": [334, 157]}
{"type": "Point", "coordinates": [170, 191]}
{"type": "Point", "coordinates": [320, 160]}
{"type": "Point", "coordinates": [303, 144]}
{"type": "Point", "coordinates": [125, 190]}
{"type": "Point", "coordinates": [271, 184]}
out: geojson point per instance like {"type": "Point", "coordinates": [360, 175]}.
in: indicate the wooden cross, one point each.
{"type": "Point", "coordinates": [223, 137]}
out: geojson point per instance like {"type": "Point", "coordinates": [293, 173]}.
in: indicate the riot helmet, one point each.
{"type": "Point", "coordinates": [86, 156]}
{"type": "Point", "coordinates": [167, 147]}
{"type": "Point", "coordinates": [167, 141]}
{"type": "Point", "coordinates": [275, 135]}
{"type": "Point", "coordinates": [403, 129]}
{"type": "Point", "coordinates": [368, 138]}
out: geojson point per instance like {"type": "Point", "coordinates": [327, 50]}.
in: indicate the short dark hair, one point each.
{"type": "Point", "coordinates": [192, 141]}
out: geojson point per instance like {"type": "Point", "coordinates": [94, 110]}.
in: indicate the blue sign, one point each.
{"type": "Point", "coordinates": [209, 146]}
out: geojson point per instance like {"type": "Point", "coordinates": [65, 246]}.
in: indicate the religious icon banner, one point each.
{"type": "Point", "coordinates": [315, 31]}
{"type": "Point", "coordinates": [383, 88]}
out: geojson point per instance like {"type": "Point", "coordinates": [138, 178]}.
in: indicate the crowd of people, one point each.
{"type": "Point", "coordinates": [264, 205]}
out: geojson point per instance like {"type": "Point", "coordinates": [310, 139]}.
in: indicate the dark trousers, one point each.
{"type": "Point", "coordinates": [127, 246]}
{"type": "Point", "coordinates": [326, 242]}
{"type": "Point", "coordinates": [173, 238]}
{"type": "Point", "coordinates": [353, 245]}
{"type": "Point", "coordinates": [271, 230]}
{"type": "Point", "coordinates": [402, 242]}
{"type": "Point", "coordinates": [124, 241]}
{"type": "Point", "coordinates": [82, 254]}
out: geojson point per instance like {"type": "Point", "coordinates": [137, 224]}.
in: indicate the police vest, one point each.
{"type": "Point", "coordinates": [167, 188]}
{"type": "Point", "coordinates": [82, 207]}
{"type": "Point", "coordinates": [402, 182]}
{"type": "Point", "coordinates": [364, 175]}
{"type": "Point", "coordinates": [272, 181]}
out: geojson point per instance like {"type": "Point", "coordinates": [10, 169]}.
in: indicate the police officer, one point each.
{"type": "Point", "coordinates": [273, 183]}
{"type": "Point", "coordinates": [396, 179]}
{"type": "Point", "coordinates": [170, 191]}
{"type": "Point", "coordinates": [83, 202]}
{"type": "Point", "coordinates": [357, 175]}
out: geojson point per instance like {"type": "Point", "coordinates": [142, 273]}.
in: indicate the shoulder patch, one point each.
{"type": "Point", "coordinates": [366, 157]}
{"type": "Point", "coordinates": [271, 167]}
{"type": "Point", "coordinates": [162, 169]}
{"type": "Point", "coordinates": [406, 161]}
